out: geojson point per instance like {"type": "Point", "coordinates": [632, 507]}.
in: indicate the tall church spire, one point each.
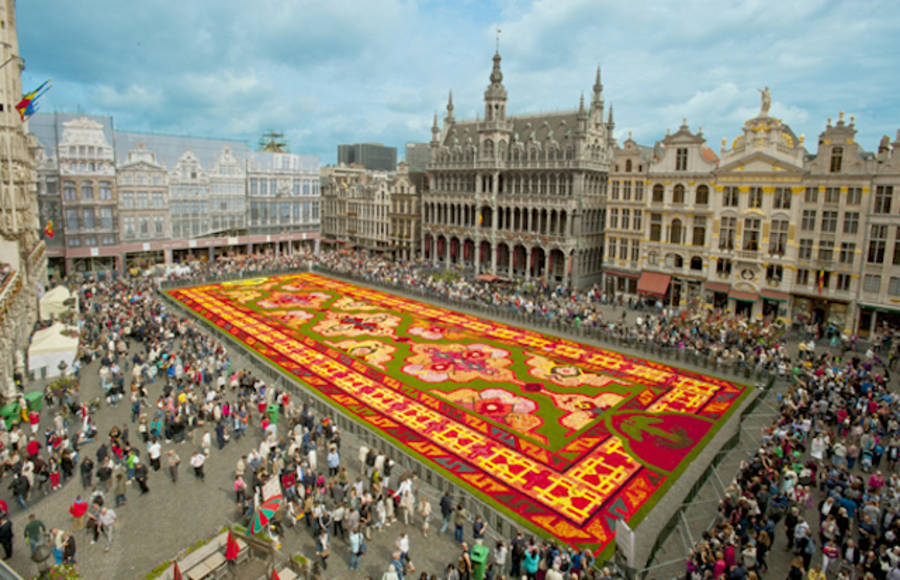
{"type": "Point", "coordinates": [495, 95]}
{"type": "Point", "coordinates": [597, 98]}
{"type": "Point", "coordinates": [449, 119]}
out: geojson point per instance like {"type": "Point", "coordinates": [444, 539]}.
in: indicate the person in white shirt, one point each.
{"type": "Point", "coordinates": [197, 461]}
{"type": "Point", "coordinates": [107, 521]}
{"type": "Point", "coordinates": [154, 451]}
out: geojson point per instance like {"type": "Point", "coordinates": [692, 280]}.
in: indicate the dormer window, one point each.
{"type": "Point", "coordinates": [681, 156]}
{"type": "Point", "coordinates": [836, 154]}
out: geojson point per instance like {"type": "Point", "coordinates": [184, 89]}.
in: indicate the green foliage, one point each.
{"type": "Point", "coordinates": [62, 572]}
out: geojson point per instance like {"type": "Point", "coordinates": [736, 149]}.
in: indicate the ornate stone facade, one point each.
{"type": "Point", "coordinates": [764, 229]}
{"type": "Point", "coordinates": [519, 196]}
{"type": "Point", "coordinates": [23, 262]}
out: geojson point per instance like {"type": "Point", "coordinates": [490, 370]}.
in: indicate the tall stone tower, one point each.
{"type": "Point", "coordinates": [23, 262]}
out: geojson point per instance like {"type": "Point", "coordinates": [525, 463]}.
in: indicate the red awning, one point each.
{"type": "Point", "coordinates": [741, 295]}
{"type": "Point", "coordinates": [774, 295]}
{"type": "Point", "coordinates": [654, 283]}
{"type": "Point", "coordinates": [718, 286]}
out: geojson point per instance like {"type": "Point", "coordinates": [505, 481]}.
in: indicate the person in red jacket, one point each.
{"type": "Point", "coordinates": [78, 509]}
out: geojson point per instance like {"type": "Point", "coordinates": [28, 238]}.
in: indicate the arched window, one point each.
{"type": "Point", "coordinates": [696, 263]}
{"type": "Point", "coordinates": [678, 194]}
{"type": "Point", "coordinates": [658, 193]}
{"type": "Point", "coordinates": [487, 151]}
{"type": "Point", "coordinates": [702, 197]}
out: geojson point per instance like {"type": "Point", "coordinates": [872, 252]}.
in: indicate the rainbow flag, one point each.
{"type": "Point", "coordinates": [26, 106]}
{"type": "Point", "coordinates": [821, 281]}
{"type": "Point", "coordinates": [48, 229]}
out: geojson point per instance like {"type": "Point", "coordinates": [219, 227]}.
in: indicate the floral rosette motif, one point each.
{"type": "Point", "coordinates": [435, 331]}
{"type": "Point", "coordinates": [499, 405]}
{"type": "Point", "coordinates": [347, 303]}
{"type": "Point", "coordinates": [564, 375]}
{"type": "Point", "coordinates": [369, 324]}
{"type": "Point", "coordinates": [582, 410]}
{"type": "Point", "coordinates": [293, 318]}
{"type": "Point", "coordinates": [460, 363]}
{"type": "Point", "coordinates": [374, 352]}
{"type": "Point", "coordinates": [288, 300]}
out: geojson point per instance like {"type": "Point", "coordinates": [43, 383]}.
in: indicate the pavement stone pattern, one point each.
{"type": "Point", "coordinates": [153, 528]}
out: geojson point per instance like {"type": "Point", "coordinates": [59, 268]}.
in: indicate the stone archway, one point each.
{"type": "Point", "coordinates": [428, 249]}
{"type": "Point", "coordinates": [441, 248]}
{"type": "Point", "coordinates": [557, 265]}
{"type": "Point", "coordinates": [468, 252]}
{"type": "Point", "coordinates": [538, 262]}
{"type": "Point", "coordinates": [519, 259]}
{"type": "Point", "coordinates": [484, 257]}
{"type": "Point", "coordinates": [503, 259]}
{"type": "Point", "coordinates": [454, 250]}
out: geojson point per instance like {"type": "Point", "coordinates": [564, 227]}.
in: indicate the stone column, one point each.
{"type": "Point", "coordinates": [528, 252]}
{"type": "Point", "coordinates": [547, 265]}
{"type": "Point", "coordinates": [565, 280]}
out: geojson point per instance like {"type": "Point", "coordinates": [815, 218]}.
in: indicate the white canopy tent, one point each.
{"type": "Point", "coordinates": [49, 347]}
{"type": "Point", "coordinates": [53, 303]}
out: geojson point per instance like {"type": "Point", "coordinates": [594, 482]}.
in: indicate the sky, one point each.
{"type": "Point", "coordinates": [348, 71]}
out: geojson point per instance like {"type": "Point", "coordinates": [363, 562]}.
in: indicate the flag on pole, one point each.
{"type": "Point", "coordinates": [821, 281]}
{"type": "Point", "coordinates": [26, 106]}
{"type": "Point", "coordinates": [48, 229]}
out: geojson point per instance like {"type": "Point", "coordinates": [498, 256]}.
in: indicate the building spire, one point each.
{"type": "Point", "coordinates": [496, 74]}
{"type": "Point", "coordinates": [581, 105]}
{"type": "Point", "coordinates": [598, 85]}
{"type": "Point", "coordinates": [610, 120]}
{"type": "Point", "coordinates": [450, 103]}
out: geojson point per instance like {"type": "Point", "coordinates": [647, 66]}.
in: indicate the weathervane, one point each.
{"type": "Point", "coordinates": [498, 39]}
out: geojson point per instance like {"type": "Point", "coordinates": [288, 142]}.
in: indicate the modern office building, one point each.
{"type": "Point", "coordinates": [372, 156]}
{"type": "Point", "coordinates": [417, 157]}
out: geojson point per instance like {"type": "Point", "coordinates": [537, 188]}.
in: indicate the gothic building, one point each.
{"type": "Point", "coordinates": [23, 261]}
{"type": "Point", "coordinates": [519, 196]}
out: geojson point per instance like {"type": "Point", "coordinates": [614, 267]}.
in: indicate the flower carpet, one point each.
{"type": "Point", "coordinates": [565, 438]}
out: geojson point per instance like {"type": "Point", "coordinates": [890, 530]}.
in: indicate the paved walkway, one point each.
{"type": "Point", "coordinates": [153, 528]}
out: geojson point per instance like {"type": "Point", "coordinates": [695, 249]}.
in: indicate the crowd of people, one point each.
{"type": "Point", "coordinates": [826, 468]}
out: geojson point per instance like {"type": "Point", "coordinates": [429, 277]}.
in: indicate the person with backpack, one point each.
{"type": "Point", "coordinates": [446, 511]}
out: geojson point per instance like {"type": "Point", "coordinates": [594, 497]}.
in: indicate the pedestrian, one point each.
{"type": "Point", "coordinates": [57, 542]}
{"type": "Point", "coordinates": [78, 508]}
{"type": "Point", "coordinates": [240, 488]}
{"type": "Point", "coordinates": [34, 532]}
{"type": "Point", "coordinates": [397, 565]}
{"type": "Point", "coordinates": [154, 452]}
{"type": "Point", "coordinates": [197, 461]}
{"type": "Point", "coordinates": [107, 521]}
{"type": "Point", "coordinates": [479, 528]}
{"type": "Point", "coordinates": [87, 472]}
{"type": "Point", "coordinates": [446, 511]}
{"type": "Point", "coordinates": [459, 520]}
{"type": "Point", "coordinates": [6, 536]}
{"type": "Point", "coordinates": [69, 549]}
{"type": "Point", "coordinates": [119, 489]}
{"type": "Point", "coordinates": [402, 544]}
{"type": "Point", "coordinates": [322, 549]}
{"type": "Point", "coordinates": [357, 547]}
{"type": "Point", "coordinates": [140, 475]}
{"type": "Point", "coordinates": [464, 563]}
{"type": "Point", "coordinates": [19, 487]}
{"type": "Point", "coordinates": [173, 462]}
{"type": "Point", "coordinates": [425, 513]}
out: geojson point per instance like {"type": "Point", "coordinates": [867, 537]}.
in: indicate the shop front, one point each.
{"type": "Point", "coordinates": [620, 282]}
{"type": "Point", "coordinates": [716, 295]}
{"type": "Point", "coordinates": [743, 301]}
{"type": "Point", "coordinates": [774, 305]}
{"type": "Point", "coordinates": [874, 319]}
{"type": "Point", "coordinates": [831, 315]}
{"type": "Point", "coordinates": [654, 285]}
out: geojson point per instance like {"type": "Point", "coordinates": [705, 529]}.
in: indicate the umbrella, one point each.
{"type": "Point", "coordinates": [231, 548]}
{"type": "Point", "coordinates": [176, 573]}
{"type": "Point", "coordinates": [263, 514]}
